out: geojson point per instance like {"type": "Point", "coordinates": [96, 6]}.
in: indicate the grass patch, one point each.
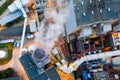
{"type": "Point", "coordinates": [5, 5]}
{"type": "Point", "coordinates": [9, 47]}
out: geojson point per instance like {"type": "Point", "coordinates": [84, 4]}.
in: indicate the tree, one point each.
{"type": "Point", "coordinates": [0, 75]}
{"type": "Point", "coordinates": [9, 71]}
{"type": "Point", "coordinates": [4, 74]}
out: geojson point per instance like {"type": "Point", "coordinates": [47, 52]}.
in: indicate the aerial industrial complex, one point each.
{"type": "Point", "coordinates": [59, 39]}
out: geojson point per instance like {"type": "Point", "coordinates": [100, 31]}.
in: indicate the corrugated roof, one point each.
{"type": "Point", "coordinates": [27, 61]}
{"type": "Point", "coordinates": [89, 11]}
{"type": "Point", "coordinates": [10, 17]}
{"type": "Point", "coordinates": [42, 76]}
{"type": "Point", "coordinates": [32, 70]}
{"type": "Point", "coordinates": [54, 75]}
{"type": "Point", "coordinates": [71, 20]}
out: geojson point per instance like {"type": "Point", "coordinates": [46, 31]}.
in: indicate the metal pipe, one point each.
{"type": "Point", "coordinates": [78, 62]}
{"type": "Point", "coordinates": [23, 36]}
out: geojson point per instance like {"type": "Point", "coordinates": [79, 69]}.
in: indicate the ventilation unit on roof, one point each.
{"type": "Point", "coordinates": [40, 57]}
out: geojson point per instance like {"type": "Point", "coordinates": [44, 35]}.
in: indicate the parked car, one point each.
{"type": "Point", "coordinates": [30, 36]}
{"type": "Point", "coordinates": [16, 43]}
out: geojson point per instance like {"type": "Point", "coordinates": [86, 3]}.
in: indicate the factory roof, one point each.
{"type": "Point", "coordinates": [42, 76]}
{"type": "Point", "coordinates": [10, 17]}
{"type": "Point", "coordinates": [54, 75]}
{"type": "Point", "coordinates": [17, 4]}
{"type": "Point", "coordinates": [89, 11]}
{"type": "Point", "coordinates": [29, 65]}
{"type": "Point", "coordinates": [34, 73]}
{"type": "Point", "coordinates": [71, 21]}
{"type": "Point", "coordinates": [31, 68]}
{"type": "Point", "coordinates": [27, 61]}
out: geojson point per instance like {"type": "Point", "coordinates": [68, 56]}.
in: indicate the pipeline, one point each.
{"type": "Point", "coordinates": [87, 50]}
{"type": "Point", "coordinates": [23, 36]}
{"type": "Point", "coordinates": [73, 66]}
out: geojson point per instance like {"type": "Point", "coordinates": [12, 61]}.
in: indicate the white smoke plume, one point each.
{"type": "Point", "coordinates": [51, 28]}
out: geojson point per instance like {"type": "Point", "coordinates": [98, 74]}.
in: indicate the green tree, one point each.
{"type": "Point", "coordinates": [4, 74]}
{"type": "Point", "coordinates": [0, 75]}
{"type": "Point", "coordinates": [9, 71]}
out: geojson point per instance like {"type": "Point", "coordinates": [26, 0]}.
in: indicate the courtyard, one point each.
{"type": "Point", "coordinates": [5, 52]}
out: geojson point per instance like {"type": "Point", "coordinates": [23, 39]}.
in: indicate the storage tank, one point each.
{"type": "Point", "coordinates": [116, 61]}
{"type": "Point", "coordinates": [39, 54]}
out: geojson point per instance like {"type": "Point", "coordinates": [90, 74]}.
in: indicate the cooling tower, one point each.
{"type": "Point", "coordinates": [39, 54]}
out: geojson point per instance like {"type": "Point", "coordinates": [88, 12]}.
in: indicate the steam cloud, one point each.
{"type": "Point", "coordinates": [51, 28]}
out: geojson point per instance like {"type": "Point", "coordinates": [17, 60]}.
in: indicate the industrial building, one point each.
{"type": "Point", "coordinates": [90, 39]}
{"type": "Point", "coordinates": [37, 73]}
{"type": "Point", "coordinates": [89, 11]}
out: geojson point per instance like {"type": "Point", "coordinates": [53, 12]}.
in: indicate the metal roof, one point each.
{"type": "Point", "coordinates": [71, 21]}
{"type": "Point", "coordinates": [31, 68]}
{"type": "Point", "coordinates": [42, 76]}
{"type": "Point", "coordinates": [54, 75]}
{"type": "Point", "coordinates": [10, 17]}
{"type": "Point", "coordinates": [29, 65]}
{"type": "Point", "coordinates": [27, 61]}
{"type": "Point", "coordinates": [33, 71]}
{"type": "Point", "coordinates": [89, 11]}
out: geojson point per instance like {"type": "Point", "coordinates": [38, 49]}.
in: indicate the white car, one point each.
{"type": "Point", "coordinates": [30, 36]}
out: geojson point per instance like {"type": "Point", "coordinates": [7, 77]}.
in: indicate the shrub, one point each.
{"type": "Point", "coordinates": [6, 73]}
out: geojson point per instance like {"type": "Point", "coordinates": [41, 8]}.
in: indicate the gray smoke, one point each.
{"type": "Point", "coordinates": [50, 29]}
